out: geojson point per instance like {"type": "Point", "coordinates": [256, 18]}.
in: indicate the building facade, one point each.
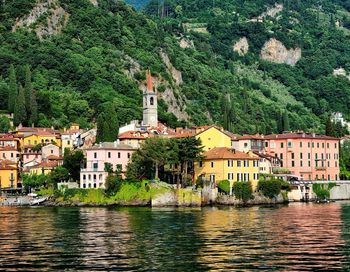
{"type": "Point", "coordinates": [224, 163]}
{"type": "Point", "coordinates": [95, 174]}
{"type": "Point", "coordinates": [307, 156]}
{"type": "Point", "coordinates": [150, 104]}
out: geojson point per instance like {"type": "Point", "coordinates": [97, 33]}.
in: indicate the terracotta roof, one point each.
{"type": "Point", "coordinates": [299, 135]}
{"type": "Point", "coordinates": [135, 135]}
{"type": "Point", "coordinates": [227, 153]}
{"type": "Point", "coordinates": [8, 165]}
{"type": "Point", "coordinates": [53, 157]}
{"type": "Point", "coordinates": [8, 148]}
{"type": "Point", "coordinates": [48, 164]}
{"type": "Point", "coordinates": [250, 137]}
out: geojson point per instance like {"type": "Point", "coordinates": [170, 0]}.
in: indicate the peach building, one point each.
{"type": "Point", "coordinates": [116, 154]}
{"type": "Point", "coordinates": [307, 156]}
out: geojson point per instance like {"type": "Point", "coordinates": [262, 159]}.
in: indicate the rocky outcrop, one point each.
{"type": "Point", "coordinates": [241, 46]}
{"type": "Point", "coordinates": [94, 2]}
{"type": "Point", "coordinates": [341, 72]}
{"type": "Point", "coordinates": [176, 74]}
{"type": "Point", "coordinates": [276, 52]}
{"type": "Point", "coordinates": [55, 18]}
{"type": "Point", "coordinates": [271, 12]}
{"type": "Point", "coordinates": [185, 43]}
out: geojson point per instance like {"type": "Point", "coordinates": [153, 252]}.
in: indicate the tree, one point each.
{"type": "Point", "coordinates": [73, 162]}
{"type": "Point", "coordinates": [243, 190]}
{"type": "Point", "coordinates": [13, 89]}
{"type": "Point", "coordinates": [59, 174]}
{"type": "Point", "coordinates": [33, 108]}
{"type": "Point", "coordinates": [20, 114]}
{"type": "Point", "coordinates": [107, 124]}
{"type": "Point", "coordinates": [329, 127]}
{"type": "Point", "coordinates": [28, 89]}
{"type": "Point", "coordinates": [286, 126]}
{"type": "Point", "coordinates": [5, 124]}
{"type": "Point", "coordinates": [4, 94]}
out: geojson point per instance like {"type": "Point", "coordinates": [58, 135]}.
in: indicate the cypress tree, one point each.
{"type": "Point", "coordinates": [280, 123]}
{"type": "Point", "coordinates": [329, 127]}
{"type": "Point", "coordinates": [33, 108]}
{"type": "Point", "coordinates": [28, 89]}
{"type": "Point", "coordinates": [20, 115]}
{"type": "Point", "coordinates": [100, 128]}
{"type": "Point", "coordinates": [286, 121]}
{"type": "Point", "coordinates": [13, 89]}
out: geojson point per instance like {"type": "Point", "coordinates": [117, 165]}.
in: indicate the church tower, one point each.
{"type": "Point", "coordinates": [150, 107]}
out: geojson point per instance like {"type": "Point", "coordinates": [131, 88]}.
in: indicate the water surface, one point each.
{"type": "Point", "coordinates": [298, 237]}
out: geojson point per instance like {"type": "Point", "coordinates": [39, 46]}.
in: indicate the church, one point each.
{"type": "Point", "coordinates": [149, 124]}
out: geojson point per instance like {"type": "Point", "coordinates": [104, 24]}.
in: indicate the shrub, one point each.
{"type": "Point", "coordinates": [200, 182]}
{"type": "Point", "coordinates": [270, 188]}
{"type": "Point", "coordinates": [243, 190]}
{"type": "Point", "coordinates": [323, 191]}
{"type": "Point", "coordinates": [224, 185]}
{"type": "Point", "coordinates": [113, 184]}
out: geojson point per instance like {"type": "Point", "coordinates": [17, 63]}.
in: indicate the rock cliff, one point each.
{"type": "Point", "coordinates": [241, 46]}
{"type": "Point", "coordinates": [274, 51]}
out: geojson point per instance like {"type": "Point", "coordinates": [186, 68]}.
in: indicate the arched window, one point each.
{"type": "Point", "coordinates": [151, 101]}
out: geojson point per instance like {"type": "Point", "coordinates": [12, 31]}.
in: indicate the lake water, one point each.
{"type": "Point", "coordinates": [298, 237]}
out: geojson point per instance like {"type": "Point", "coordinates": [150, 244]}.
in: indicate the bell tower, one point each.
{"type": "Point", "coordinates": [150, 105]}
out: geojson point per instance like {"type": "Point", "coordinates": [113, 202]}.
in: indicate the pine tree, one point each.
{"type": "Point", "coordinates": [28, 89]}
{"type": "Point", "coordinates": [285, 121]}
{"type": "Point", "coordinates": [13, 89]}
{"type": "Point", "coordinates": [280, 123]}
{"type": "Point", "coordinates": [329, 127]}
{"type": "Point", "coordinates": [33, 108]}
{"type": "Point", "coordinates": [20, 115]}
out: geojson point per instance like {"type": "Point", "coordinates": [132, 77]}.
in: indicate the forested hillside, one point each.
{"type": "Point", "coordinates": [252, 66]}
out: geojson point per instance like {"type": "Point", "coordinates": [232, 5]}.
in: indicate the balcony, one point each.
{"type": "Point", "coordinates": [321, 168]}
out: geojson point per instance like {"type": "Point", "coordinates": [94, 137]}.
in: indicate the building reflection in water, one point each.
{"type": "Point", "coordinates": [295, 237]}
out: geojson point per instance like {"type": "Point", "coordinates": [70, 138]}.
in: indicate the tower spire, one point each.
{"type": "Point", "coordinates": [149, 81]}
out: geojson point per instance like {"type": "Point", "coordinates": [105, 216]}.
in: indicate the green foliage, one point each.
{"type": "Point", "coordinates": [13, 89]}
{"type": "Point", "coordinates": [107, 125]}
{"type": "Point", "coordinates": [34, 181]}
{"type": "Point", "coordinates": [271, 187]}
{"type": "Point", "coordinates": [20, 114]}
{"type": "Point", "coordinates": [113, 183]}
{"type": "Point", "coordinates": [5, 124]}
{"type": "Point", "coordinates": [345, 160]}
{"type": "Point", "coordinates": [243, 190]}
{"type": "Point", "coordinates": [73, 162]}
{"type": "Point", "coordinates": [322, 191]}
{"type": "Point", "coordinates": [224, 185]}
{"type": "Point", "coordinates": [59, 174]}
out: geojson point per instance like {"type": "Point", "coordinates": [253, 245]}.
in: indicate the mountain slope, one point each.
{"type": "Point", "coordinates": [90, 56]}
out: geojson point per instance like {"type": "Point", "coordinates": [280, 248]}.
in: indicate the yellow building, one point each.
{"type": "Point", "coordinates": [223, 163]}
{"type": "Point", "coordinates": [31, 136]}
{"type": "Point", "coordinates": [43, 168]}
{"type": "Point", "coordinates": [213, 137]}
{"type": "Point", "coordinates": [8, 175]}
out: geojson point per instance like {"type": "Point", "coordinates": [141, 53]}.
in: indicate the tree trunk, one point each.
{"type": "Point", "coordinates": [157, 170]}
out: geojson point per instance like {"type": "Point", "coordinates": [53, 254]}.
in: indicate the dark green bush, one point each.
{"type": "Point", "coordinates": [224, 185]}
{"type": "Point", "coordinates": [243, 190]}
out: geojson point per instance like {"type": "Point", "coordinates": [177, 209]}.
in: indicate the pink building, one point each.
{"type": "Point", "coordinates": [307, 156]}
{"type": "Point", "coordinates": [94, 175]}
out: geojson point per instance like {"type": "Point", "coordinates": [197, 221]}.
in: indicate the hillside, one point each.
{"type": "Point", "coordinates": [241, 64]}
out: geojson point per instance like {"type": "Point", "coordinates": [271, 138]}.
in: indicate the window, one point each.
{"type": "Point", "coordinates": [246, 163]}
{"type": "Point", "coordinates": [230, 163]}
{"type": "Point", "coordinates": [118, 155]}
{"type": "Point", "coordinates": [109, 155]}
{"type": "Point", "coordinates": [84, 177]}
{"type": "Point", "coordinates": [255, 164]}
{"type": "Point", "coordinates": [212, 178]}
{"type": "Point", "coordinates": [292, 155]}
{"type": "Point", "coordinates": [336, 164]}
{"type": "Point", "coordinates": [200, 164]}
{"type": "Point", "coordinates": [301, 156]}
{"type": "Point", "coordinates": [95, 155]}
{"type": "Point", "coordinates": [84, 185]}
{"type": "Point", "coordinates": [212, 164]}
{"type": "Point", "coordinates": [129, 155]}
{"type": "Point", "coordinates": [308, 144]}
{"type": "Point", "coordinates": [309, 163]}
{"type": "Point", "coordinates": [318, 145]}
{"type": "Point", "coordinates": [94, 177]}
{"type": "Point", "coordinates": [95, 165]}
{"type": "Point", "coordinates": [151, 101]}
{"type": "Point", "coordinates": [239, 163]}
{"type": "Point", "coordinates": [322, 145]}
{"type": "Point", "coordinates": [301, 163]}
{"type": "Point", "coordinates": [11, 155]}
{"type": "Point", "coordinates": [293, 164]}
{"type": "Point", "coordinates": [51, 151]}
{"type": "Point", "coordinates": [89, 185]}
{"type": "Point", "coordinates": [301, 144]}
{"type": "Point", "coordinates": [313, 145]}
{"type": "Point", "coordinates": [281, 145]}
{"type": "Point", "coordinates": [335, 145]}
{"type": "Point", "coordinates": [329, 177]}
{"type": "Point", "coordinates": [230, 176]}
{"type": "Point", "coordinates": [290, 144]}
{"type": "Point", "coordinates": [328, 164]}
{"type": "Point", "coordinates": [309, 156]}
{"type": "Point", "coordinates": [336, 177]}
{"type": "Point", "coordinates": [327, 145]}
{"type": "Point", "coordinates": [35, 142]}
{"type": "Point", "coordinates": [281, 156]}
{"type": "Point", "coordinates": [94, 185]}
{"type": "Point", "coordinates": [245, 145]}
{"type": "Point", "coordinates": [316, 156]}
{"type": "Point", "coordinates": [239, 177]}
{"type": "Point", "coordinates": [68, 142]}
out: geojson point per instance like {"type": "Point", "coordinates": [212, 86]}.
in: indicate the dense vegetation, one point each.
{"type": "Point", "coordinates": [92, 66]}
